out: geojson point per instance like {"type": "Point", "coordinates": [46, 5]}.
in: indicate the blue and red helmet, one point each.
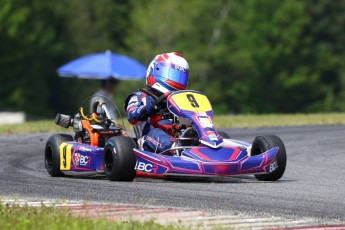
{"type": "Point", "coordinates": [168, 72]}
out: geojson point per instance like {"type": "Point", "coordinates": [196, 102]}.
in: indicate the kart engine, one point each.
{"type": "Point", "coordinates": [67, 121]}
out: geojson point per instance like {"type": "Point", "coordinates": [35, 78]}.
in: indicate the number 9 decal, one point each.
{"type": "Point", "coordinates": [65, 156]}
{"type": "Point", "coordinates": [192, 100]}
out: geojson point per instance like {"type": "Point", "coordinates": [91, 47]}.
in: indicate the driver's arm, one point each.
{"type": "Point", "coordinates": [139, 107]}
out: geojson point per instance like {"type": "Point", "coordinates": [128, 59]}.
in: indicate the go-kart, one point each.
{"type": "Point", "coordinates": [102, 145]}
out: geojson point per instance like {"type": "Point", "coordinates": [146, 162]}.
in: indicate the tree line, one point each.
{"type": "Point", "coordinates": [248, 56]}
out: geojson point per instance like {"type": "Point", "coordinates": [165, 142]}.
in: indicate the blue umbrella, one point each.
{"type": "Point", "coordinates": [102, 66]}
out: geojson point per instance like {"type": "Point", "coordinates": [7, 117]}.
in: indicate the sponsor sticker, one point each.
{"type": "Point", "coordinates": [141, 166]}
{"type": "Point", "coordinates": [273, 166]}
{"type": "Point", "coordinates": [212, 136]}
{"type": "Point", "coordinates": [81, 160]}
{"type": "Point", "coordinates": [96, 127]}
{"type": "Point", "coordinates": [201, 113]}
{"type": "Point", "coordinates": [205, 122]}
{"type": "Point", "coordinates": [85, 149]}
{"type": "Point", "coordinates": [183, 69]}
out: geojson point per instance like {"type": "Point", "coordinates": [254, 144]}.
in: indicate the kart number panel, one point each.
{"type": "Point", "coordinates": [65, 156]}
{"type": "Point", "coordinates": [191, 101]}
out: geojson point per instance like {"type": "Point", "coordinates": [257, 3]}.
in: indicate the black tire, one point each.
{"type": "Point", "coordinates": [263, 143]}
{"type": "Point", "coordinates": [119, 159]}
{"type": "Point", "coordinates": [224, 134]}
{"type": "Point", "coordinates": [52, 154]}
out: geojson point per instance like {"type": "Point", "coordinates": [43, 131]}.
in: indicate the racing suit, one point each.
{"type": "Point", "coordinates": [140, 107]}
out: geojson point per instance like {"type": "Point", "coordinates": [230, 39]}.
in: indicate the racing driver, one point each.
{"type": "Point", "coordinates": [167, 72]}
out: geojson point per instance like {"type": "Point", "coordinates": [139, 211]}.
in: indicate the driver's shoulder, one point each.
{"type": "Point", "coordinates": [134, 96]}
{"type": "Point", "coordinates": [138, 94]}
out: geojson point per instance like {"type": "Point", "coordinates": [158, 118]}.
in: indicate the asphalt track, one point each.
{"type": "Point", "coordinates": [313, 184]}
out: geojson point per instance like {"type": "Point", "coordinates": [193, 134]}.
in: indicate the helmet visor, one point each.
{"type": "Point", "coordinates": [171, 73]}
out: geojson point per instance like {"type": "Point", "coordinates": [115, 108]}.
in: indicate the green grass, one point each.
{"type": "Point", "coordinates": [219, 121]}
{"type": "Point", "coordinates": [39, 126]}
{"type": "Point", "coordinates": [13, 217]}
{"type": "Point", "coordinates": [279, 120]}
{"type": "Point", "coordinates": [32, 126]}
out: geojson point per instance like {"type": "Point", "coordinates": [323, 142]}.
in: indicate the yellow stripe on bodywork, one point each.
{"type": "Point", "coordinates": [65, 156]}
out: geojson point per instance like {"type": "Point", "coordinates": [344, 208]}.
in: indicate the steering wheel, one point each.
{"type": "Point", "coordinates": [157, 118]}
{"type": "Point", "coordinates": [161, 98]}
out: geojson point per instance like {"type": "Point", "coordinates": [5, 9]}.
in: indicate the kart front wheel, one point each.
{"type": "Point", "coordinates": [119, 159]}
{"type": "Point", "coordinates": [52, 153]}
{"type": "Point", "coordinates": [263, 143]}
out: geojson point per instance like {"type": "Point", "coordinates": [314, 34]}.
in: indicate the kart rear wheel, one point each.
{"type": "Point", "coordinates": [119, 159]}
{"type": "Point", "coordinates": [263, 143]}
{"type": "Point", "coordinates": [52, 153]}
{"type": "Point", "coordinates": [224, 134]}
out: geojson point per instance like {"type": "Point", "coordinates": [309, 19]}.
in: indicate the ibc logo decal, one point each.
{"type": "Point", "coordinates": [81, 160]}
{"type": "Point", "coordinates": [141, 166]}
{"type": "Point", "coordinates": [273, 166]}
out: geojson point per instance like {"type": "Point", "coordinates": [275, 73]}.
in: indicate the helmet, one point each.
{"type": "Point", "coordinates": [168, 72]}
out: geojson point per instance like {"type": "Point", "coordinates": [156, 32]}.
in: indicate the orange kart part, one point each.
{"type": "Point", "coordinates": [93, 135]}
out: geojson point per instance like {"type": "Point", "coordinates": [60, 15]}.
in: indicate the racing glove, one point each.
{"type": "Point", "coordinates": [150, 106]}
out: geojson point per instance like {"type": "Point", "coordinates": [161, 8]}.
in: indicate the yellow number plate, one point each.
{"type": "Point", "coordinates": [65, 156]}
{"type": "Point", "coordinates": [192, 101]}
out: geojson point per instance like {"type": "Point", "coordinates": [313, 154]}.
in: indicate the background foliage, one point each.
{"type": "Point", "coordinates": [249, 56]}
